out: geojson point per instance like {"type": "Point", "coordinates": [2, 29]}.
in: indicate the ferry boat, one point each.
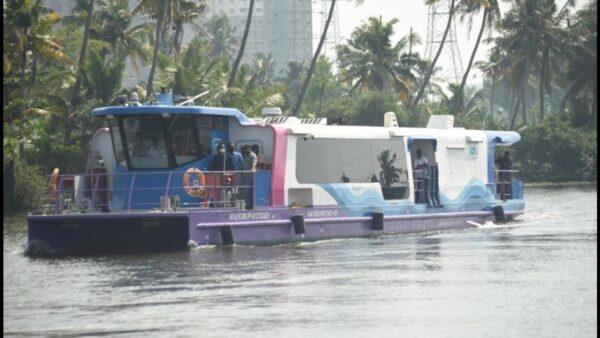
{"type": "Point", "coordinates": [151, 185]}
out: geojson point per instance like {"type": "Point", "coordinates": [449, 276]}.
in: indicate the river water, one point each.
{"type": "Point", "coordinates": [535, 277]}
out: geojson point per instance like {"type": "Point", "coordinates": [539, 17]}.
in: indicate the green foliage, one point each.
{"type": "Point", "coordinates": [30, 187]}
{"type": "Point", "coordinates": [366, 109]}
{"type": "Point", "coordinates": [554, 151]}
{"type": "Point", "coordinates": [103, 77]}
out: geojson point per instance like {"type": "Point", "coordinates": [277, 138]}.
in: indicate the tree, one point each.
{"type": "Point", "coordinates": [27, 27]}
{"type": "Point", "coordinates": [292, 78]}
{"type": "Point", "coordinates": [184, 11]}
{"type": "Point", "coordinates": [419, 96]}
{"type": "Point", "coordinates": [313, 62]}
{"type": "Point", "coordinates": [103, 77]}
{"type": "Point", "coordinates": [240, 54]}
{"type": "Point", "coordinates": [581, 77]}
{"type": "Point", "coordinates": [84, 44]}
{"type": "Point", "coordinates": [221, 37]}
{"type": "Point", "coordinates": [530, 36]}
{"type": "Point", "coordinates": [157, 9]}
{"type": "Point", "coordinates": [369, 61]}
{"type": "Point", "coordinates": [491, 13]}
{"type": "Point", "coordinates": [126, 41]}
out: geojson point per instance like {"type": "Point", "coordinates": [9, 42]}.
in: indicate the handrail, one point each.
{"type": "Point", "coordinates": [221, 191]}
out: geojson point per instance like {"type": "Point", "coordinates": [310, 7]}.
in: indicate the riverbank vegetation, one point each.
{"type": "Point", "coordinates": [540, 79]}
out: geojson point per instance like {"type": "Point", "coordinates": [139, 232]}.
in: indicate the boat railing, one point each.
{"type": "Point", "coordinates": [505, 180]}
{"type": "Point", "coordinates": [100, 192]}
{"type": "Point", "coordinates": [419, 179]}
{"type": "Point", "coordinates": [426, 185]}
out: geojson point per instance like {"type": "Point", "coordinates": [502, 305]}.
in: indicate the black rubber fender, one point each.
{"type": "Point", "coordinates": [298, 223]}
{"type": "Point", "coordinates": [499, 216]}
{"type": "Point", "coordinates": [377, 221]}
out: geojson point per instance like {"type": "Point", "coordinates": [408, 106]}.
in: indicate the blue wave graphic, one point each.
{"type": "Point", "coordinates": [476, 196]}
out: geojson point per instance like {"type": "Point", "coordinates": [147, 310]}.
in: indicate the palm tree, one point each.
{"type": "Point", "coordinates": [531, 36]}
{"type": "Point", "coordinates": [491, 14]}
{"type": "Point", "coordinates": [264, 69]}
{"type": "Point", "coordinates": [27, 27]}
{"type": "Point", "coordinates": [84, 44]}
{"type": "Point", "coordinates": [221, 37]}
{"type": "Point", "coordinates": [369, 60]}
{"type": "Point", "coordinates": [292, 78]}
{"type": "Point", "coordinates": [419, 96]}
{"type": "Point", "coordinates": [116, 28]}
{"type": "Point", "coordinates": [240, 54]}
{"type": "Point", "coordinates": [103, 77]}
{"type": "Point", "coordinates": [313, 62]}
{"type": "Point", "coordinates": [184, 11]}
{"type": "Point", "coordinates": [196, 71]}
{"type": "Point", "coordinates": [157, 9]}
{"type": "Point", "coordinates": [581, 77]}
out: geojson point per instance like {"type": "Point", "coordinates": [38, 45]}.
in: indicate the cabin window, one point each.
{"type": "Point", "coordinates": [146, 142]}
{"type": "Point", "coordinates": [203, 128]}
{"type": "Point", "coordinates": [355, 161]}
{"type": "Point", "coordinates": [185, 148]}
{"type": "Point", "coordinates": [115, 134]}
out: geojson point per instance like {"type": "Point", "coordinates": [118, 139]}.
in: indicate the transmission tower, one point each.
{"type": "Point", "coordinates": [333, 33]}
{"type": "Point", "coordinates": [300, 30]}
{"type": "Point", "coordinates": [437, 19]}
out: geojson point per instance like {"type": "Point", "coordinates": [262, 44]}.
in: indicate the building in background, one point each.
{"type": "Point", "coordinates": [282, 28]}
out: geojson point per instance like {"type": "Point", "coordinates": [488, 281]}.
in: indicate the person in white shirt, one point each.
{"type": "Point", "coordinates": [420, 162]}
{"type": "Point", "coordinates": [420, 168]}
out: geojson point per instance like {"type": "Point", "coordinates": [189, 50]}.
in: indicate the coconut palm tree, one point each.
{"type": "Point", "coordinates": [103, 77]}
{"type": "Point", "coordinates": [263, 67]}
{"type": "Point", "coordinates": [157, 9]}
{"type": "Point", "coordinates": [292, 78]}
{"type": "Point", "coordinates": [581, 77]}
{"type": "Point", "coordinates": [27, 31]}
{"type": "Point", "coordinates": [184, 11]}
{"type": "Point", "coordinates": [115, 27]}
{"type": "Point", "coordinates": [425, 83]}
{"type": "Point", "coordinates": [221, 37]}
{"type": "Point", "coordinates": [84, 45]}
{"type": "Point", "coordinates": [491, 15]}
{"type": "Point", "coordinates": [370, 61]}
{"type": "Point", "coordinates": [530, 36]}
{"type": "Point", "coordinates": [313, 62]}
{"type": "Point", "coordinates": [240, 54]}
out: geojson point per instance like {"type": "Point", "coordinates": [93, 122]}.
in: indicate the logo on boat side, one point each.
{"type": "Point", "coordinates": [323, 213]}
{"type": "Point", "coordinates": [473, 151]}
{"type": "Point", "coordinates": [250, 216]}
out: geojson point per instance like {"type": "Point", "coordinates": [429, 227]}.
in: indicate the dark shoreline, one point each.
{"type": "Point", "coordinates": [559, 184]}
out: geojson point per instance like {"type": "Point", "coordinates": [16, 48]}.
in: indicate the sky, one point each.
{"type": "Point", "coordinates": [410, 13]}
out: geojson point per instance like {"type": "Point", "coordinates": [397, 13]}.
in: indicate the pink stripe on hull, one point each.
{"type": "Point", "coordinates": [278, 166]}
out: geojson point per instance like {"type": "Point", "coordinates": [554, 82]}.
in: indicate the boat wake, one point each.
{"type": "Point", "coordinates": [487, 225]}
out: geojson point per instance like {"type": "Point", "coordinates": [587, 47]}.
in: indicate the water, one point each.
{"type": "Point", "coordinates": [531, 278]}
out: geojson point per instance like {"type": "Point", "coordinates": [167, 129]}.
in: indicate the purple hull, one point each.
{"type": "Point", "coordinates": [285, 225]}
{"type": "Point", "coordinates": [156, 232]}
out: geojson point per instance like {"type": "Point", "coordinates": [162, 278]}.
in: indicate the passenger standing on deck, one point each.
{"type": "Point", "coordinates": [250, 161]}
{"type": "Point", "coordinates": [238, 160]}
{"type": "Point", "coordinates": [259, 157]}
{"type": "Point", "coordinates": [238, 165]}
{"type": "Point", "coordinates": [222, 161]}
{"type": "Point", "coordinates": [420, 168]}
{"type": "Point", "coordinates": [505, 165]}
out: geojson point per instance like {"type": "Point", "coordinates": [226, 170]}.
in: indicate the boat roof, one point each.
{"type": "Point", "coordinates": [168, 109]}
{"type": "Point", "coordinates": [453, 135]}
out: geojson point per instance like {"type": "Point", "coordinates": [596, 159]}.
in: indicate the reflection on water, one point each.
{"type": "Point", "coordinates": [534, 277]}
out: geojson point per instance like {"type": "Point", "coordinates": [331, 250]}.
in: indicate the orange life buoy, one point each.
{"type": "Point", "coordinates": [53, 182]}
{"type": "Point", "coordinates": [196, 189]}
